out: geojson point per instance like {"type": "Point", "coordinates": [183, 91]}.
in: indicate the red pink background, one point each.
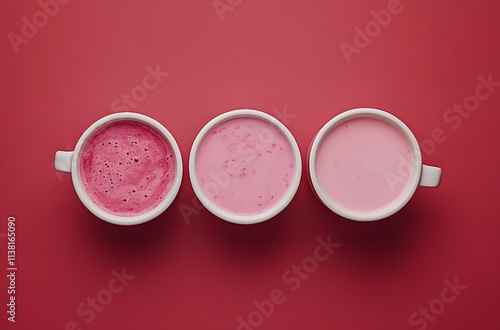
{"type": "Point", "coordinates": [433, 265]}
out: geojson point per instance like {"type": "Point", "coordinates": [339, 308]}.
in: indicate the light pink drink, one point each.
{"type": "Point", "coordinates": [363, 164]}
{"type": "Point", "coordinates": [245, 165]}
{"type": "Point", "coordinates": [127, 168]}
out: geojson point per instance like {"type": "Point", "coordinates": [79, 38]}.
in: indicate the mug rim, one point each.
{"type": "Point", "coordinates": [84, 197]}
{"type": "Point", "coordinates": [393, 206]}
{"type": "Point", "coordinates": [233, 217]}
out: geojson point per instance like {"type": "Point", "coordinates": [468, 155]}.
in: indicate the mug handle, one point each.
{"type": "Point", "coordinates": [62, 161]}
{"type": "Point", "coordinates": [430, 177]}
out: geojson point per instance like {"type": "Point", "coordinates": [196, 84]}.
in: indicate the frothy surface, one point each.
{"type": "Point", "coordinates": [364, 164]}
{"type": "Point", "coordinates": [127, 168]}
{"type": "Point", "coordinates": [245, 165]}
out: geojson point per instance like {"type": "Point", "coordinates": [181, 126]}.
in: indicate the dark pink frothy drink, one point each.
{"type": "Point", "coordinates": [127, 168]}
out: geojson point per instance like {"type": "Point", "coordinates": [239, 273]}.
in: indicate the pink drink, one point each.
{"type": "Point", "coordinates": [245, 165]}
{"type": "Point", "coordinates": [364, 164]}
{"type": "Point", "coordinates": [127, 168]}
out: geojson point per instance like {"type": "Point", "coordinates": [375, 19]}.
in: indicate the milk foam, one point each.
{"type": "Point", "coordinates": [127, 168]}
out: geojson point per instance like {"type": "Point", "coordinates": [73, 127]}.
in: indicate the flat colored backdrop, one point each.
{"type": "Point", "coordinates": [435, 65]}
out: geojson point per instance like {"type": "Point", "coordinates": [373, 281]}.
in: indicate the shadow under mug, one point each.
{"type": "Point", "coordinates": [69, 161]}
{"type": "Point", "coordinates": [419, 174]}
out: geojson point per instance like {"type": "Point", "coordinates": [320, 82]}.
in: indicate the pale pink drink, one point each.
{"type": "Point", "coordinates": [245, 165]}
{"type": "Point", "coordinates": [127, 168]}
{"type": "Point", "coordinates": [364, 164]}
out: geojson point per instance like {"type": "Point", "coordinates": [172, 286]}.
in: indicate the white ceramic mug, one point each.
{"type": "Point", "coordinates": [68, 161]}
{"type": "Point", "coordinates": [410, 171]}
{"type": "Point", "coordinates": [220, 179]}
